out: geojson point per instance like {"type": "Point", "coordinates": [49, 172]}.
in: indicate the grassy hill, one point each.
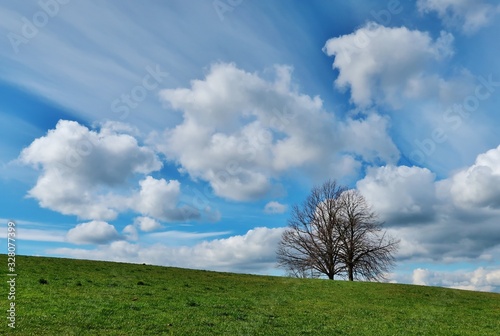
{"type": "Point", "coordinates": [103, 298]}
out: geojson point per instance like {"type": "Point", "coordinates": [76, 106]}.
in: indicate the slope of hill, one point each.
{"type": "Point", "coordinates": [80, 297]}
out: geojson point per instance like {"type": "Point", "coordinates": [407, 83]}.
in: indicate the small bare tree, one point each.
{"type": "Point", "coordinates": [335, 232]}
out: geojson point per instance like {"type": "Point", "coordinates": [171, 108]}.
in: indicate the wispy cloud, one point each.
{"type": "Point", "coordinates": [466, 15]}
{"type": "Point", "coordinates": [274, 207]}
{"type": "Point", "coordinates": [183, 235]}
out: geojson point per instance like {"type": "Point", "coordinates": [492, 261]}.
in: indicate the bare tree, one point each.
{"type": "Point", "coordinates": [366, 251]}
{"type": "Point", "coordinates": [335, 232]}
{"type": "Point", "coordinates": [311, 241]}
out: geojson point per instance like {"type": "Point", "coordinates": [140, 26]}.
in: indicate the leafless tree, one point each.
{"type": "Point", "coordinates": [311, 241]}
{"type": "Point", "coordinates": [366, 251]}
{"type": "Point", "coordinates": [335, 232]}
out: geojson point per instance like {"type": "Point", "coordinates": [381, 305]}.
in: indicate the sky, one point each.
{"type": "Point", "coordinates": [181, 133]}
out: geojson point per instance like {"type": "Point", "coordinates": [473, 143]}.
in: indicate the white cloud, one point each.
{"type": "Point", "coordinates": [453, 219]}
{"type": "Point", "coordinates": [409, 246]}
{"type": "Point", "coordinates": [159, 198]}
{"type": "Point", "coordinates": [147, 224]}
{"type": "Point", "coordinates": [182, 235]}
{"type": "Point", "coordinates": [368, 137]}
{"type": "Point", "coordinates": [400, 194]}
{"type": "Point", "coordinates": [77, 164]}
{"type": "Point", "coordinates": [94, 232]}
{"type": "Point", "coordinates": [130, 232]}
{"type": "Point", "coordinates": [36, 231]}
{"type": "Point", "coordinates": [381, 64]}
{"type": "Point", "coordinates": [468, 15]}
{"type": "Point", "coordinates": [479, 184]}
{"type": "Point", "coordinates": [420, 276]}
{"type": "Point", "coordinates": [254, 251]}
{"type": "Point", "coordinates": [41, 235]}
{"type": "Point", "coordinates": [240, 131]}
{"type": "Point", "coordinates": [481, 279]}
{"type": "Point", "coordinates": [275, 208]}
{"type": "Point", "coordinates": [84, 173]}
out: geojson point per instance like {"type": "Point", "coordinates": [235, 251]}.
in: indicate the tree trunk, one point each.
{"type": "Point", "coordinates": [350, 271]}
{"type": "Point", "coordinates": [330, 276]}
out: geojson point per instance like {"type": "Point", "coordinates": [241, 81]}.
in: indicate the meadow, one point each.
{"type": "Point", "coordinates": [56, 296]}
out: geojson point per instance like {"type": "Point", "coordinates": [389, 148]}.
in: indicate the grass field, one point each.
{"type": "Point", "coordinates": [102, 298]}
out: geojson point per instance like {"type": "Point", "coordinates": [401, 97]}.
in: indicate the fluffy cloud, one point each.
{"type": "Point", "coordinates": [469, 15]}
{"type": "Point", "coordinates": [130, 232]}
{"type": "Point", "coordinates": [381, 64]}
{"type": "Point", "coordinates": [453, 219]}
{"type": "Point", "coordinates": [479, 185]}
{"type": "Point", "coordinates": [251, 252]}
{"type": "Point", "coordinates": [77, 164]}
{"type": "Point", "coordinates": [481, 279]}
{"type": "Point", "coordinates": [240, 131]}
{"type": "Point", "coordinates": [454, 237]}
{"type": "Point", "coordinates": [401, 194]}
{"type": "Point", "coordinates": [274, 208]}
{"type": "Point", "coordinates": [368, 137]}
{"type": "Point", "coordinates": [159, 199]}
{"type": "Point", "coordinates": [147, 224]}
{"type": "Point", "coordinates": [94, 232]}
{"type": "Point", "coordinates": [84, 170]}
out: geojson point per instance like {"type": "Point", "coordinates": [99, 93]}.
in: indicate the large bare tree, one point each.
{"type": "Point", "coordinates": [365, 250]}
{"type": "Point", "coordinates": [311, 241]}
{"type": "Point", "coordinates": [335, 232]}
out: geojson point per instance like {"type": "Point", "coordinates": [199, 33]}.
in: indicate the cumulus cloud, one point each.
{"type": "Point", "coordinates": [147, 224]}
{"type": "Point", "coordinates": [409, 246]}
{"type": "Point", "coordinates": [453, 219]}
{"type": "Point", "coordinates": [400, 195]}
{"type": "Point", "coordinates": [94, 232]}
{"type": "Point", "coordinates": [84, 173]}
{"type": "Point", "coordinates": [241, 131]}
{"type": "Point", "coordinates": [159, 199]}
{"type": "Point", "coordinates": [275, 208]}
{"type": "Point", "coordinates": [78, 163]}
{"type": "Point", "coordinates": [454, 236]}
{"type": "Point", "coordinates": [251, 252]}
{"type": "Point", "coordinates": [468, 15]}
{"type": "Point", "coordinates": [381, 64]}
{"type": "Point", "coordinates": [481, 279]}
{"type": "Point", "coordinates": [479, 184]}
{"type": "Point", "coordinates": [130, 232]}
{"type": "Point", "coordinates": [420, 276]}
{"type": "Point", "coordinates": [368, 137]}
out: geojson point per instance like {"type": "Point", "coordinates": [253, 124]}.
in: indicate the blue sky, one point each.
{"type": "Point", "coordinates": [181, 133]}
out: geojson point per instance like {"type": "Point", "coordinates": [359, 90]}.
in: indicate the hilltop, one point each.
{"type": "Point", "coordinates": [56, 296]}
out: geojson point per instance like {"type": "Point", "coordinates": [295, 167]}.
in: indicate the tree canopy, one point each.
{"type": "Point", "coordinates": [335, 232]}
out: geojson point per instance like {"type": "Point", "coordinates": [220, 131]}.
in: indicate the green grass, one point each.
{"type": "Point", "coordinates": [102, 298]}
